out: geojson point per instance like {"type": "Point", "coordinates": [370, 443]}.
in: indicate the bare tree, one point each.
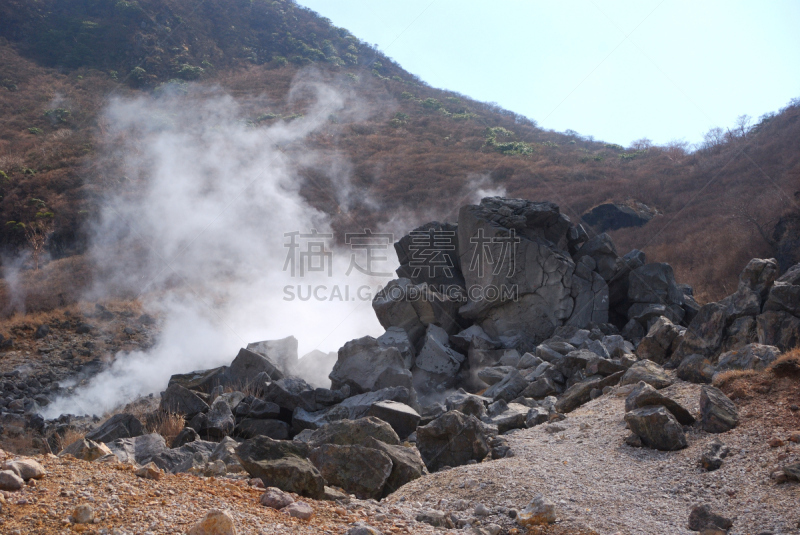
{"type": "Point", "coordinates": [37, 233]}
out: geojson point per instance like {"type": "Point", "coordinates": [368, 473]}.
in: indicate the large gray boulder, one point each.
{"type": "Point", "coordinates": [660, 342]}
{"type": "Point", "coordinates": [452, 440]}
{"type": "Point", "coordinates": [138, 450]}
{"type": "Point", "coordinates": [436, 357]}
{"type": "Point", "coordinates": [407, 465]}
{"type": "Point", "coordinates": [356, 469]}
{"type": "Point", "coordinates": [429, 254]}
{"type": "Point", "coordinates": [220, 422]}
{"type": "Point", "coordinates": [118, 426]}
{"type": "Point", "coordinates": [649, 372]}
{"type": "Point", "coordinates": [780, 329]}
{"type": "Point", "coordinates": [201, 380]}
{"type": "Point", "coordinates": [580, 393]}
{"type": "Point", "coordinates": [401, 417]}
{"type": "Point", "coordinates": [654, 283]}
{"type": "Point", "coordinates": [281, 352]}
{"type": "Point", "coordinates": [365, 366]}
{"type": "Point", "coordinates": [250, 427]}
{"type": "Point", "coordinates": [538, 267]}
{"type": "Point", "coordinates": [603, 255]}
{"type": "Point", "coordinates": [394, 309]}
{"type": "Point", "coordinates": [466, 403]}
{"type": "Point", "coordinates": [644, 395]}
{"type": "Point", "coordinates": [184, 458]}
{"type": "Point", "coordinates": [749, 357]}
{"type": "Point", "coordinates": [657, 428]}
{"type": "Point", "coordinates": [612, 216]}
{"type": "Point", "coordinates": [509, 388]}
{"type": "Point", "coordinates": [282, 464]}
{"type": "Point", "coordinates": [349, 432]}
{"type": "Point", "coordinates": [704, 334]}
{"type": "Point", "coordinates": [718, 413]}
{"type": "Point", "coordinates": [248, 364]}
{"type": "Point", "coordinates": [397, 338]}
{"type": "Point", "coordinates": [179, 400]}
{"type": "Point", "coordinates": [291, 392]}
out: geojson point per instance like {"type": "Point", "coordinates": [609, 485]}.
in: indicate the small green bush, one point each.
{"type": "Point", "coordinates": [280, 61]}
{"type": "Point", "coordinates": [432, 104]}
{"type": "Point", "coordinates": [58, 115]}
{"type": "Point", "coordinates": [36, 131]}
{"type": "Point", "coordinates": [190, 72]}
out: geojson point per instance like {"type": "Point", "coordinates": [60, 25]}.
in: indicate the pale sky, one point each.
{"type": "Point", "coordinates": [616, 70]}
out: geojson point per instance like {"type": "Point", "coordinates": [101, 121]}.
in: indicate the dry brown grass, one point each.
{"type": "Point", "coordinates": [70, 435]}
{"type": "Point", "coordinates": [724, 378]}
{"type": "Point", "coordinates": [787, 365]}
{"type": "Point", "coordinates": [22, 444]}
{"type": "Point", "coordinates": [168, 425]}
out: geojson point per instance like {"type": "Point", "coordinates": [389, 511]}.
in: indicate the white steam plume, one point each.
{"type": "Point", "coordinates": [200, 235]}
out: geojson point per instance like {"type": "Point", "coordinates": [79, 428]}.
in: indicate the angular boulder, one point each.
{"type": "Point", "coordinates": [452, 440]}
{"type": "Point", "coordinates": [644, 395]}
{"type": "Point", "coordinates": [718, 413]}
{"type": "Point", "coordinates": [407, 465]}
{"type": "Point", "coordinates": [401, 417]}
{"type": "Point", "coordinates": [749, 357]}
{"type": "Point", "coordinates": [358, 470]}
{"type": "Point", "coordinates": [365, 366]}
{"type": "Point", "coordinates": [349, 432]}
{"type": "Point", "coordinates": [179, 400]}
{"type": "Point", "coordinates": [118, 426]}
{"type": "Point", "coordinates": [282, 464]}
{"type": "Point", "coordinates": [649, 372]}
{"type": "Point", "coordinates": [657, 428]}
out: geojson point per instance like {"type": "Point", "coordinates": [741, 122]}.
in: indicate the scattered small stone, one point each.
{"type": "Point", "coordinates": [276, 498]}
{"type": "Point", "coordinates": [794, 436]}
{"type": "Point", "coordinates": [10, 481]}
{"type": "Point", "coordinates": [539, 512]}
{"type": "Point", "coordinates": [215, 522]}
{"type": "Point", "coordinates": [83, 514]}
{"type": "Point", "coordinates": [702, 518]}
{"type": "Point", "coordinates": [775, 442]}
{"type": "Point", "coordinates": [482, 510]}
{"type": "Point", "coordinates": [363, 529]}
{"type": "Point", "coordinates": [792, 471]}
{"type": "Point", "coordinates": [150, 471]}
{"type": "Point", "coordinates": [713, 455]}
{"type": "Point", "coordinates": [300, 510]}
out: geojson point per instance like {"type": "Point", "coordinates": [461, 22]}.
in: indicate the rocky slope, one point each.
{"type": "Point", "coordinates": [529, 377]}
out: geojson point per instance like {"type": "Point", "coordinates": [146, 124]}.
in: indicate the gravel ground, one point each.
{"type": "Point", "coordinates": [600, 483]}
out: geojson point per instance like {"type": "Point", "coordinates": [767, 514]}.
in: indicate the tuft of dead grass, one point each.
{"type": "Point", "coordinates": [787, 365]}
{"type": "Point", "coordinates": [68, 437]}
{"type": "Point", "coordinates": [727, 377]}
{"type": "Point", "coordinates": [168, 425]}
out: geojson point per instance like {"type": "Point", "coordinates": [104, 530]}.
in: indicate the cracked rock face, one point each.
{"type": "Point", "coordinates": [518, 271]}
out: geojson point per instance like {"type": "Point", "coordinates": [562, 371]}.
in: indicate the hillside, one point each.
{"type": "Point", "coordinates": [411, 150]}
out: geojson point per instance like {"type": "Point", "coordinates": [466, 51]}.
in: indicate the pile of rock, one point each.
{"type": "Point", "coordinates": [509, 319]}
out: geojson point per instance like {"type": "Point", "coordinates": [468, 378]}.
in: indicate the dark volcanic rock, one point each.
{"type": "Point", "coordinates": [645, 395]}
{"type": "Point", "coordinates": [703, 518]}
{"type": "Point", "coordinates": [713, 454]}
{"type": "Point", "coordinates": [649, 372]}
{"type": "Point", "coordinates": [452, 440]}
{"type": "Point", "coordinates": [718, 413]}
{"type": "Point", "coordinates": [358, 470]}
{"type": "Point", "coordinates": [348, 432]}
{"type": "Point", "coordinates": [401, 417]}
{"type": "Point", "coordinates": [274, 429]}
{"type": "Point", "coordinates": [179, 400]}
{"type": "Point", "coordinates": [657, 428]}
{"type": "Point", "coordinates": [610, 216]}
{"type": "Point", "coordinates": [696, 369]}
{"type": "Point", "coordinates": [282, 464]}
{"type": "Point", "coordinates": [118, 426]}
{"type": "Point", "coordinates": [407, 465]}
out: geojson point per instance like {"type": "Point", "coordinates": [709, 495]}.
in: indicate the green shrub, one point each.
{"type": "Point", "coordinates": [190, 72]}
{"type": "Point", "coordinates": [407, 96]}
{"type": "Point", "coordinates": [58, 115]}
{"type": "Point", "coordinates": [4, 176]}
{"type": "Point", "coordinates": [509, 147]}
{"type": "Point", "coordinates": [432, 104]}
{"type": "Point", "coordinates": [137, 74]}
{"type": "Point", "coordinates": [280, 61]}
{"type": "Point", "coordinates": [9, 84]}
{"type": "Point", "coordinates": [36, 131]}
